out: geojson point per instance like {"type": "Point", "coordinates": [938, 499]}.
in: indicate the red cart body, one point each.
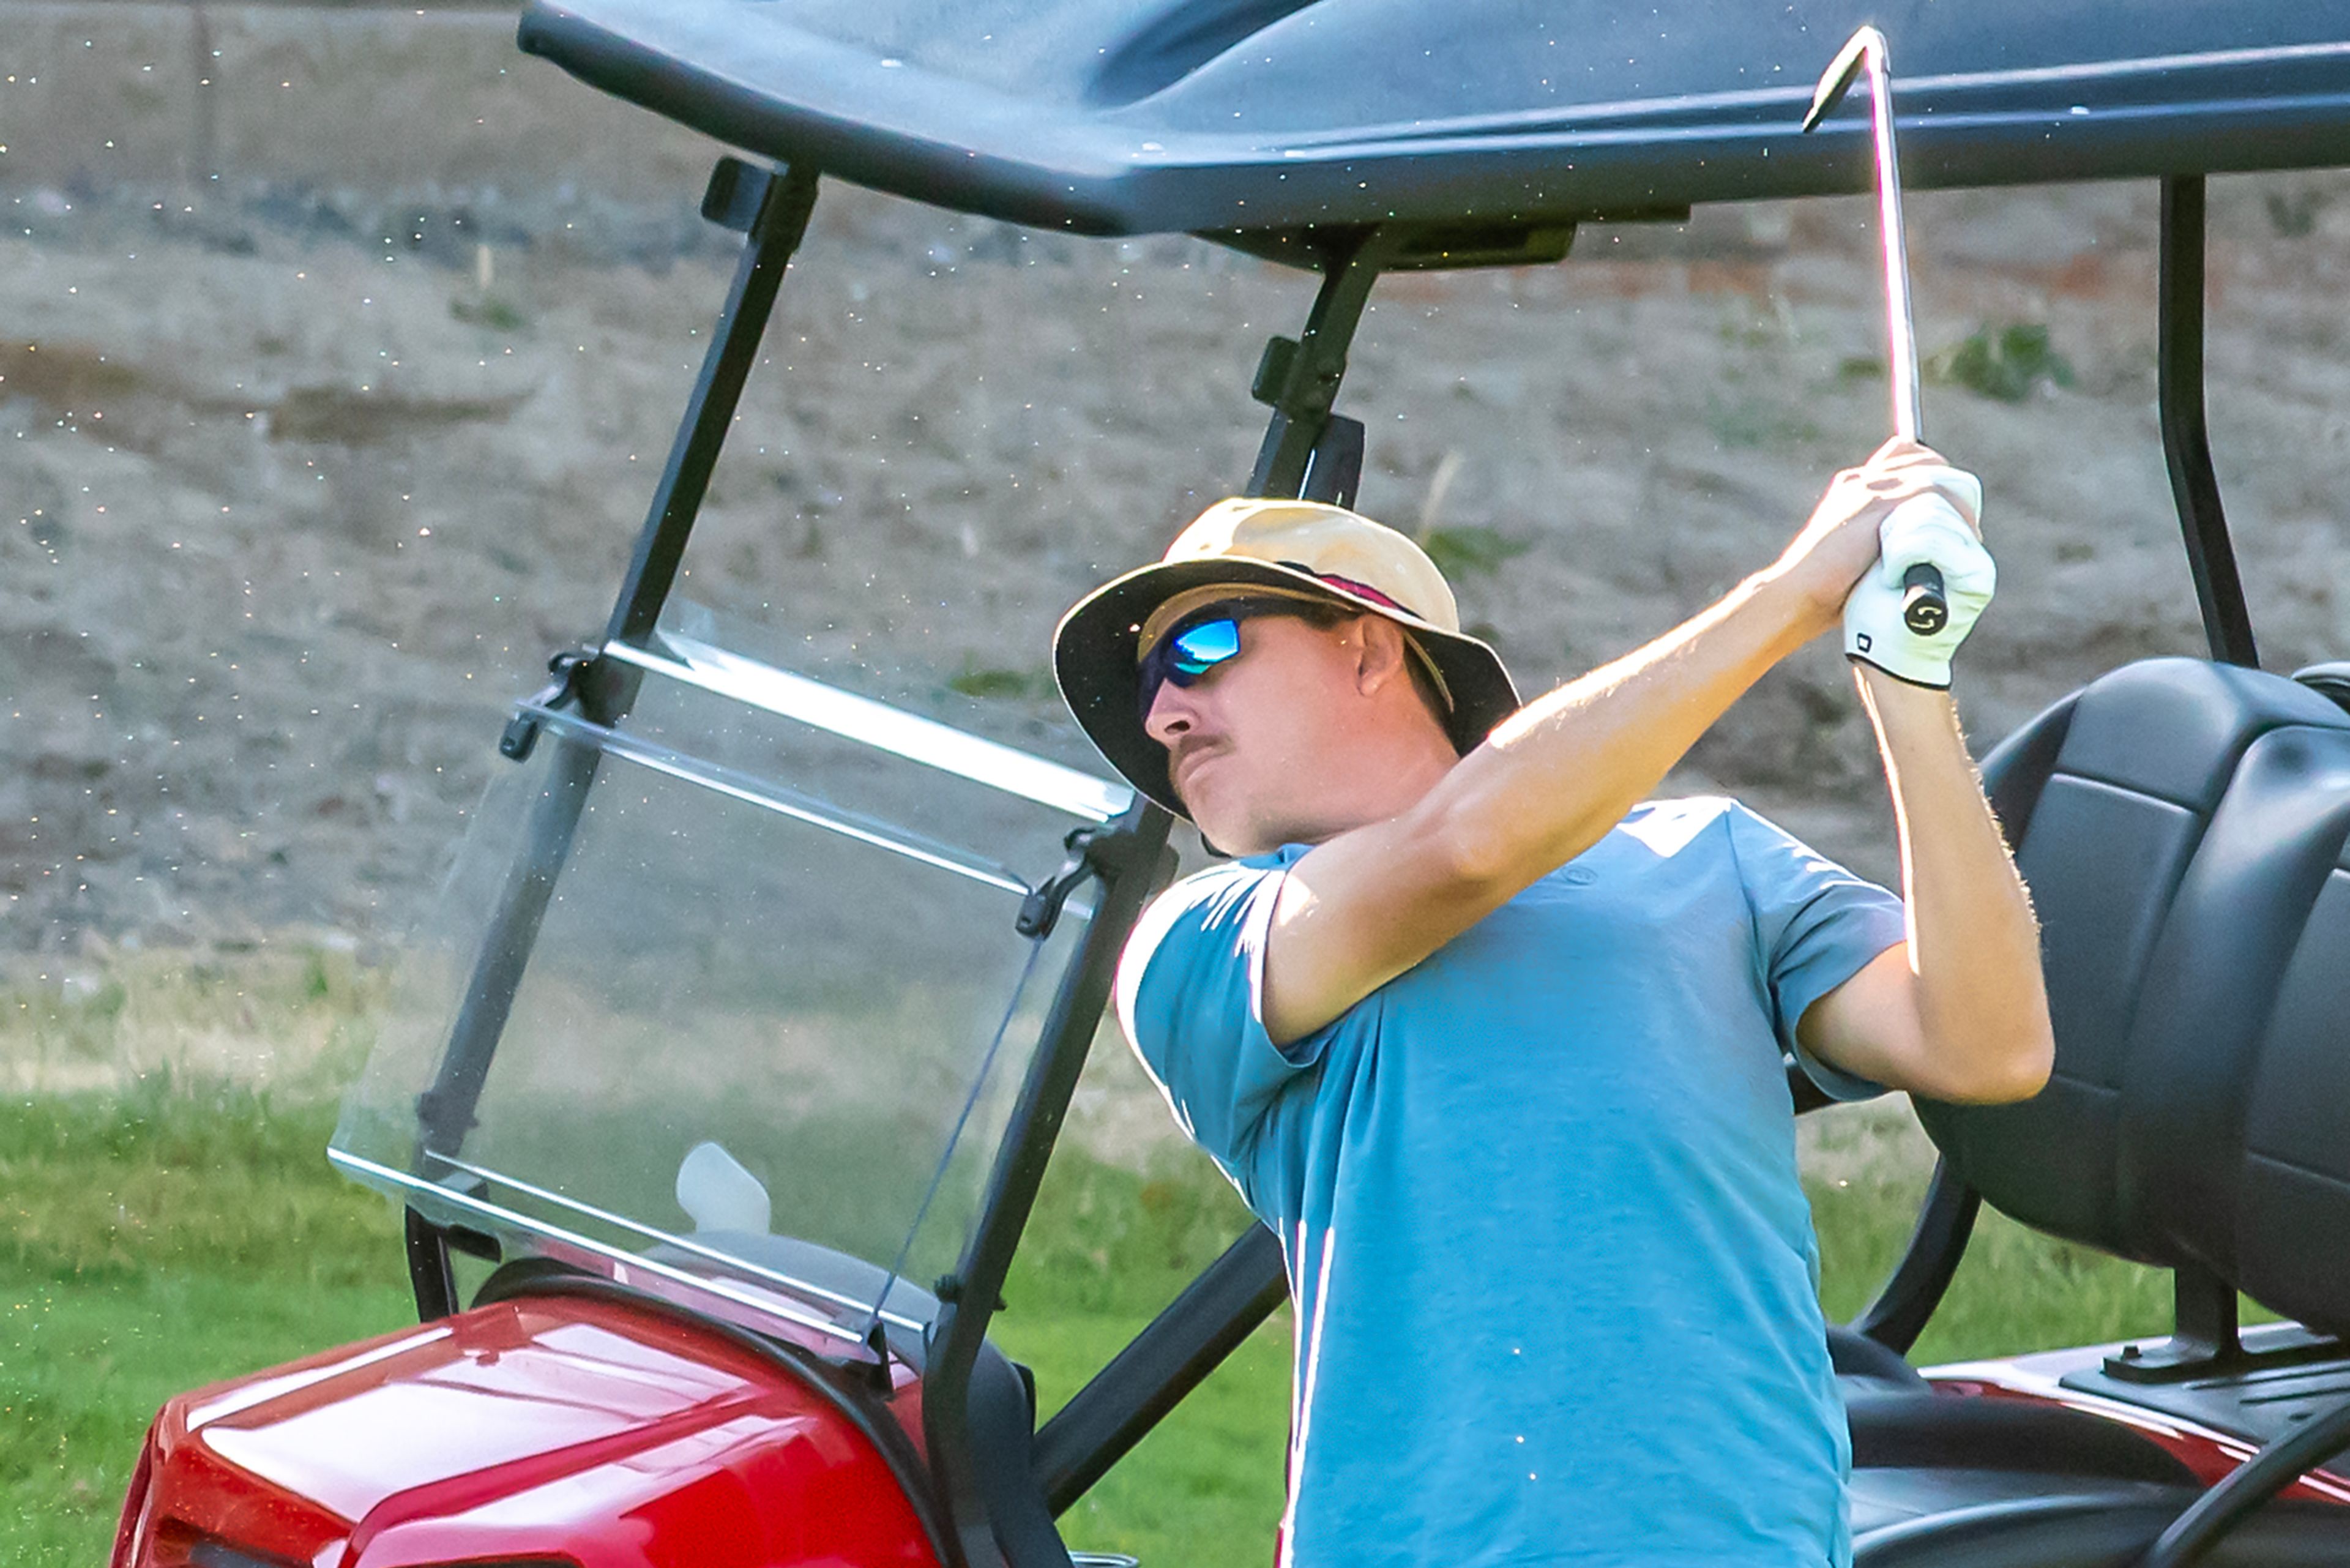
{"type": "Point", "coordinates": [541, 1430]}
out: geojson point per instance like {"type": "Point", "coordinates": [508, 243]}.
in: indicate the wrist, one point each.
{"type": "Point", "coordinates": [1902, 708]}
{"type": "Point", "coordinates": [1791, 598]}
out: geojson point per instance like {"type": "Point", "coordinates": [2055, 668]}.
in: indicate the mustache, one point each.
{"type": "Point", "coordinates": [1184, 748]}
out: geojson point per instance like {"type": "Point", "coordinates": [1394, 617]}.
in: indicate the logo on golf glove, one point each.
{"type": "Point", "coordinates": [1929, 530]}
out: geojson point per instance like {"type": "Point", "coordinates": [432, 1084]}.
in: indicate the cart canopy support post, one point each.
{"type": "Point", "coordinates": [1307, 451]}
{"type": "Point", "coordinates": [1158, 1370]}
{"type": "Point", "coordinates": [773, 208]}
{"type": "Point", "coordinates": [1130, 858]}
{"type": "Point", "coordinates": [2185, 443]}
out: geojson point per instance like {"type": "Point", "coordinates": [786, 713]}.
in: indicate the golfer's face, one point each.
{"type": "Point", "coordinates": [1246, 740]}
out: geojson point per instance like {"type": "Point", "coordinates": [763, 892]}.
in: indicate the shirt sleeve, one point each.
{"type": "Point", "coordinates": [1190, 996]}
{"type": "Point", "coordinates": [1819, 925]}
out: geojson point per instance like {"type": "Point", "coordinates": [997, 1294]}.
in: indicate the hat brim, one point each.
{"type": "Point", "coordinates": [1093, 661]}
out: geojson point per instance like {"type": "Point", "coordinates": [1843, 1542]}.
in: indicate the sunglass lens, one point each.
{"type": "Point", "coordinates": [1188, 655]}
{"type": "Point", "coordinates": [1204, 647]}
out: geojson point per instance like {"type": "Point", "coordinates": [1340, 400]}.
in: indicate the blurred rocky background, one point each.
{"type": "Point", "coordinates": [340, 347]}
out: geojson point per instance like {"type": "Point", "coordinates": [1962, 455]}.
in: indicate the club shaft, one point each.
{"type": "Point", "coordinates": [1900, 327]}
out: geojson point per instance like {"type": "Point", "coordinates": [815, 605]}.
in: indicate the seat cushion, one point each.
{"type": "Point", "coordinates": [2204, 1046]}
{"type": "Point", "coordinates": [1889, 1505]}
{"type": "Point", "coordinates": [1863, 1366]}
{"type": "Point", "coordinates": [1904, 1519]}
{"type": "Point", "coordinates": [2292, 1212]}
{"type": "Point", "coordinates": [1895, 1429]}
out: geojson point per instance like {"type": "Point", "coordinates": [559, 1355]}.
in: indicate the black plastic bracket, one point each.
{"type": "Point", "coordinates": [1040, 911]}
{"type": "Point", "coordinates": [1272, 368]}
{"type": "Point", "coordinates": [947, 1288]}
{"type": "Point", "coordinates": [735, 194]}
{"type": "Point", "coordinates": [1334, 472]}
{"type": "Point", "coordinates": [877, 1371]}
{"type": "Point", "coordinates": [570, 670]}
{"type": "Point", "coordinates": [1299, 379]}
{"type": "Point", "coordinates": [429, 1273]}
{"type": "Point", "coordinates": [2203, 1337]}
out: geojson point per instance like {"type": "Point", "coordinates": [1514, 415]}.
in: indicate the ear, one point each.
{"type": "Point", "coordinates": [1379, 654]}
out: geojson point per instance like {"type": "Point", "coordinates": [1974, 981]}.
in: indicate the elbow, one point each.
{"type": "Point", "coordinates": [1483, 855]}
{"type": "Point", "coordinates": [2016, 1071]}
{"type": "Point", "coordinates": [2013, 1084]}
{"type": "Point", "coordinates": [1470, 851]}
{"type": "Point", "coordinates": [1474, 858]}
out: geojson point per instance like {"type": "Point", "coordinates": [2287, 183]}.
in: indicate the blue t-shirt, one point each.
{"type": "Point", "coordinates": [1555, 1277]}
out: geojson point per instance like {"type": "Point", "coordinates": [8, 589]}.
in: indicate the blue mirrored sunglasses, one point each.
{"type": "Point", "coordinates": [1202, 641]}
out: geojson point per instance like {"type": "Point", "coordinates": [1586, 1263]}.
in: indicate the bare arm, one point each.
{"type": "Point", "coordinates": [1368, 904]}
{"type": "Point", "coordinates": [1960, 1012]}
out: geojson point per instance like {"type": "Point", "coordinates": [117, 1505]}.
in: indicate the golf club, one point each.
{"type": "Point", "coordinates": [1924, 609]}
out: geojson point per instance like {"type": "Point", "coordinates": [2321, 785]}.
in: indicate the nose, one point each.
{"type": "Point", "coordinates": [1171, 713]}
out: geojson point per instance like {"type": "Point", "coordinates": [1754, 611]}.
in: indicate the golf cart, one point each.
{"type": "Point", "coordinates": [755, 1004]}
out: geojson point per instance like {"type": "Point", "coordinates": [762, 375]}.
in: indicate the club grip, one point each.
{"type": "Point", "coordinates": [1924, 608]}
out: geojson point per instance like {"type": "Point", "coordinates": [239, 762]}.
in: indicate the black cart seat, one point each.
{"type": "Point", "coordinates": [1266, 115]}
{"type": "Point", "coordinates": [2185, 830]}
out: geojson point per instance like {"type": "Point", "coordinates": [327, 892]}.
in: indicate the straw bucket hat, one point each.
{"type": "Point", "coordinates": [1306, 548]}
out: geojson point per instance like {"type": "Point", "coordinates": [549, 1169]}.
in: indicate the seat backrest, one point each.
{"type": "Point", "coordinates": [2185, 830]}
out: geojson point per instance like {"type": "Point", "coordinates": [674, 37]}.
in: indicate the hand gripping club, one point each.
{"type": "Point", "coordinates": [1924, 608]}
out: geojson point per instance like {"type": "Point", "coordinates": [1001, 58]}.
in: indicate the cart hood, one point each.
{"type": "Point", "coordinates": [538, 1428]}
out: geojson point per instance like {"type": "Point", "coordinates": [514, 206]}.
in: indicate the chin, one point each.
{"type": "Point", "coordinates": [1235, 848]}
{"type": "Point", "coordinates": [1226, 831]}
{"type": "Point", "coordinates": [1224, 838]}
{"type": "Point", "coordinates": [1239, 833]}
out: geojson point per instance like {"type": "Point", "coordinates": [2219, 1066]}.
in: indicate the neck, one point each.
{"type": "Point", "coordinates": [1381, 782]}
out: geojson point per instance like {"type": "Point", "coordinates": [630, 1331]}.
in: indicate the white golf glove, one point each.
{"type": "Point", "coordinates": [1931, 530]}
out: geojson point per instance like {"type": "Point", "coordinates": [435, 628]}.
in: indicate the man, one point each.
{"type": "Point", "coordinates": [1495, 1048]}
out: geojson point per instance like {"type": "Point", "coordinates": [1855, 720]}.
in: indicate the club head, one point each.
{"type": "Point", "coordinates": [1861, 47]}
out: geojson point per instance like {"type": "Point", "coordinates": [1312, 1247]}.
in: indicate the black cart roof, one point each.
{"type": "Point", "coordinates": [1271, 115]}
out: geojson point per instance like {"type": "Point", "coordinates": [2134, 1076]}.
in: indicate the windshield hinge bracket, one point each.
{"type": "Point", "coordinates": [570, 669]}
{"type": "Point", "coordinates": [947, 1288]}
{"type": "Point", "coordinates": [1040, 911]}
{"type": "Point", "coordinates": [877, 1371]}
{"type": "Point", "coordinates": [1112, 849]}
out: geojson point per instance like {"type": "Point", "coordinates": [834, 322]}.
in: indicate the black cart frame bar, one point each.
{"type": "Point", "coordinates": [2185, 443]}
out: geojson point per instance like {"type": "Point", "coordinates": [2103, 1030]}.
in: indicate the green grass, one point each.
{"type": "Point", "coordinates": [2006, 363]}
{"type": "Point", "coordinates": [1468, 549]}
{"type": "Point", "coordinates": [979, 680]}
{"type": "Point", "coordinates": [149, 1243]}
{"type": "Point", "coordinates": [173, 1236]}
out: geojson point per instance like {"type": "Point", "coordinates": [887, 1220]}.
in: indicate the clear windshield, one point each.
{"type": "Point", "coordinates": [777, 1009]}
